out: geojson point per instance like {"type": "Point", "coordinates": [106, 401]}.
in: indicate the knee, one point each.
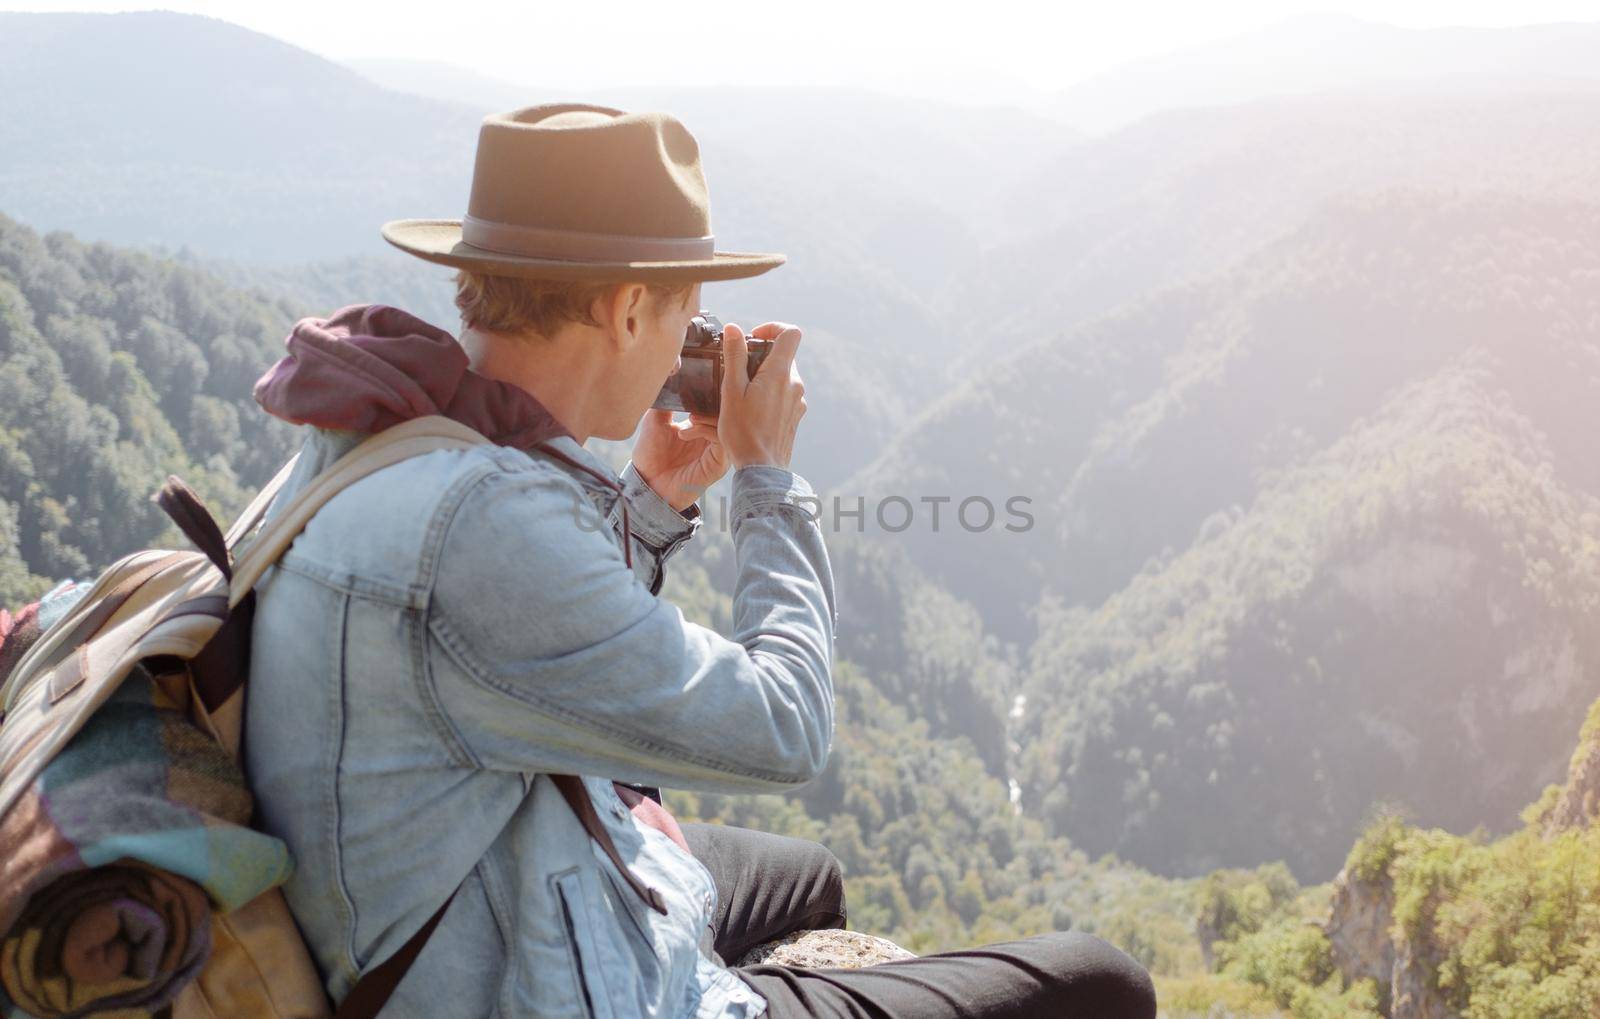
{"type": "Point", "coordinates": [1107, 974]}
{"type": "Point", "coordinates": [827, 880]}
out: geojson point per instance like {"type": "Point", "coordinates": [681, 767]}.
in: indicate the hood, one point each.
{"type": "Point", "coordinates": [369, 366]}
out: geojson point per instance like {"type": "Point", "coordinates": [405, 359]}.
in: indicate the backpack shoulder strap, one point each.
{"type": "Point", "coordinates": [257, 509]}
{"type": "Point", "coordinates": [370, 993]}
{"type": "Point", "coordinates": [388, 447]}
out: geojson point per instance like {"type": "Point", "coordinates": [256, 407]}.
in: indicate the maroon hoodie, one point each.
{"type": "Point", "coordinates": [369, 366]}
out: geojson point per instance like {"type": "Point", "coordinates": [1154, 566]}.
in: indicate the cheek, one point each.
{"type": "Point", "coordinates": [672, 348]}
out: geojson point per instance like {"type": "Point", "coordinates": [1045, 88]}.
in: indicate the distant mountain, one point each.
{"type": "Point", "coordinates": [1064, 337]}
{"type": "Point", "coordinates": [459, 85]}
{"type": "Point", "coordinates": [1333, 53]}
{"type": "Point", "coordinates": [1405, 618]}
{"type": "Point", "coordinates": [1313, 333]}
{"type": "Point", "coordinates": [161, 128]}
{"type": "Point", "coordinates": [916, 153]}
{"type": "Point", "coordinates": [1185, 194]}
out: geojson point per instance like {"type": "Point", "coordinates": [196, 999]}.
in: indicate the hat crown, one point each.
{"type": "Point", "coordinates": [574, 191]}
{"type": "Point", "coordinates": [590, 170]}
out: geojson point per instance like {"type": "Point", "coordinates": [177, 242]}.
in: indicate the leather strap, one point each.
{"type": "Point", "coordinates": [367, 998]}
{"type": "Point", "coordinates": [578, 799]}
{"type": "Point", "coordinates": [195, 521]}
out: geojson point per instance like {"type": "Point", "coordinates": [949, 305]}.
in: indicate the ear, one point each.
{"type": "Point", "coordinates": [622, 314]}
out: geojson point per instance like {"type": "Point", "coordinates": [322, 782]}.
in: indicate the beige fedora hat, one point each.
{"type": "Point", "coordinates": [573, 191]}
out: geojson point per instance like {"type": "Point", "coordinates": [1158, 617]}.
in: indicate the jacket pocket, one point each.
{"type": "Point", "coordinates": [586, 964]}
{"type": "Point", "coordinates": [643, 945]}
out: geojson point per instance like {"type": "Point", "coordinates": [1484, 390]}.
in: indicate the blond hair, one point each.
{"type": "Point", "coordinates": [515, 306]}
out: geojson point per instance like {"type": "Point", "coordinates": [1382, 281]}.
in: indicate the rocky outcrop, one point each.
{"type": "Point", "coordinates": [830, 948]}
{"type": "Point", "coordinates": [1412, 992]}
{"type": "Point", "coordinates": [1365, 944]}
{"type": "Point", "coordinates": [1358, 928]}
{"type": "Point", "coordinates": [1578, 804]}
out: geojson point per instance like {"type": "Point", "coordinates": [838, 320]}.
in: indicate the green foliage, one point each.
{"type": "Point", "coordinates": [936, 857]}
{"type": "Point", "coordinates": [1514, 925]}
{"type": "Point", "coordinates": [1375, 851]}
{"type": "Point", "coordinates": [1214, 997]}
{"type": "Point", "coordinates": [117, 369]}
{"type": "Point", "coordinates": [1270, 957]}
{"type": "Point", "coordinates": [1233, 903]}
{"type": "Point", "coordinates": [1291, 960]}
{"type": "Point", "coordinates": [1253, 695]}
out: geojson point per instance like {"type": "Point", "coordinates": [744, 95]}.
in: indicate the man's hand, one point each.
{"type": "Point", "coordinates": [759, 416]}
{"type": "Point", "coordinates": [679, 460]}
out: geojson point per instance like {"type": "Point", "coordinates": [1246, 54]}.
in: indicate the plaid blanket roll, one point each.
{"type": "Point", "coordinates": [115, 858]}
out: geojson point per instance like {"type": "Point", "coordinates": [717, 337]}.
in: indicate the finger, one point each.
{"type": "Point", "coordinates": [693, 432]}
{"type": "Point", "coordinates": [771, 330]}
{"type": "Point", "coordinates": [691, 426]}
{"type": "Point", "coordinates": [655, 418]}
{"type": "Point", "coordinates": [734, 356]}
{"type": "Point", "coordinates": [781, 361]}
{"type": "Point", "coordinates": [703, 419]}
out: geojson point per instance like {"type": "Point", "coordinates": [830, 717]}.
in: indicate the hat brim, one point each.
{"type": "Point", "coordinates": [439, 240]}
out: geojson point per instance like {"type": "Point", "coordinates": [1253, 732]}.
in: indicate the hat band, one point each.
{"type": "Point", "coordinates": [576, 246]}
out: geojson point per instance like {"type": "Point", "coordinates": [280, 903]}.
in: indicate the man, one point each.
{"type": "Point", "coordinates": [452, 634]}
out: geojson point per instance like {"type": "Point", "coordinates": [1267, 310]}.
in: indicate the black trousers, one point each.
{"type": "Point", "coordinates": [769, 886]}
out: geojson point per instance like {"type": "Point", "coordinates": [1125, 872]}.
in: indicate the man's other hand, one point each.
{"type": "Point", "coordinates": [759, 415]}
{"type": "Point", "coordinates": [679, 460]}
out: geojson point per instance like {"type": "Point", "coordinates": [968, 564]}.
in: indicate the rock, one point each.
{"type": "Point", "coordinates": [1358, 928]}
{"type": "Point", "coordinates": [1364, 943]}
{"type": "Point", "coordinates": [830, 948]}
{"type": "Point", "coordinates": [1579, 802]}
{"type": "Point", "coordinates": [1412, 991]}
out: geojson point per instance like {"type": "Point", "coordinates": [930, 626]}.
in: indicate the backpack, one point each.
{"type": "Point", "coordinates": [160, 644]}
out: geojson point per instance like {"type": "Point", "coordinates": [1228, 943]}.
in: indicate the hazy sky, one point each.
{"type": "Point", "coordinates": [932, 48]}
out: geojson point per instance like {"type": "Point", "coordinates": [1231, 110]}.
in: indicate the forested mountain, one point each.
{"type": "Point", "coordinates": [1332, 504]}
{"type": "Point", "coordinates": [116, 369]}
{"type": "Point", "coordinates": [1177, 404]}
{"type": "Point", "coordinates": [1407, 615]}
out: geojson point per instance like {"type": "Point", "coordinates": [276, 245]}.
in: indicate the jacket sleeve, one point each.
{"type": "Point", "coordinates": [658, 530]}
{"type": "Point", "coordinates": [547, 654]}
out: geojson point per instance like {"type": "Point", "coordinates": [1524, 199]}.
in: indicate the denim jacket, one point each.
{"type": "Point", "coordinates": [451, 630]}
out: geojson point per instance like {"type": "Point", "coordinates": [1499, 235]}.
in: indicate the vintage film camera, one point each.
{"type": "Point", "coordinates": [697, 386]}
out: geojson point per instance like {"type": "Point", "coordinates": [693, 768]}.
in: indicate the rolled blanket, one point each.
{"type": "Point", "coordinates": [118, 938]}
{"type": "Point", "coordinates": [115, 858]}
